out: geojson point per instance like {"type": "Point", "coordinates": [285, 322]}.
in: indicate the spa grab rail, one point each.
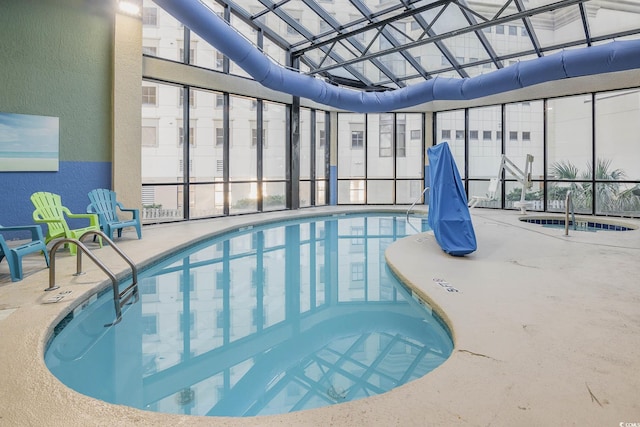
{"type": "Point", "coordinates": [119, 298]}
{"type": "Point", "coordinates": [413, 205]}
{"type": "Point", "coordinates": [568, 207]}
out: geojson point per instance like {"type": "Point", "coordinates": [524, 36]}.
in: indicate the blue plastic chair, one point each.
{"type": "Point", "coordinates": [104, 204]}
{"type": "Point", "coordinates": [14, 254]}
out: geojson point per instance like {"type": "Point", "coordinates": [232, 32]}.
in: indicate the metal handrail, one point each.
{"type": "Point", "coordinates": [119, 298]}
{"type": "Point", "coordinates": [413, 205]}
{"type": "Point", "coordinates": [568, 207]}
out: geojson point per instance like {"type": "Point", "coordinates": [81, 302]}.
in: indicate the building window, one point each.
{"type": "Point", "coordinates": [150, 16]}
{"type": "Point", "coordinates": [192, 98]}
{"type": "Point", "coordinates": [219, 101]}
{"type": "Point", "coordinates": [446, 134]}
{"type": "Point", "coordinates": [357, 139]}
{"type": "Point", "coordinates": [416, 134]}
{"type": "Point", "coordinates": [149, 95]}
{"type": "Point", "coordinates": [219, 166]}
{"type": "Point", "coordinates": [513, 136]}
{"type": "Point", "coordinates": [181, 169]}
{"type": "Point", "coordinates": [473, 134]}
{"type": "Point", "coordinates": [486, 135]}
{"type": "Point", "coordinates": [322, 138]}
{"type": "Point", "coordinates": [254, 138]}
{"type": "Point", "coordinates": [499, 29]}
{"type": "Point", "coordinates": [459, 134]}
{"type": "Point", "coordinates": [192, 56]}
{"type": "Point", "coordinates": [219, 136]}
{"type": "Point", "coordinates": [187, 278]}
{"type": "Point", "coordinates": [357, 231]}
{"type": "Point", "coordinates": [357, 272]}
{"type": "Point", "coordinates": [401, 140]}
{"type": "Point", "coordinates": [219, 61]}
{"type": "Point", "coordinates": [499, 135]}
{"type": "Point", "coordinates": [149, 286]}
{"type": "Point", "coordinates": [523, 32]}
{"type": "Point", "coordinates": [513, 30]}
{"type": "Point", "coordinates": [149, 324]}
{"type": "Point", "coordinates": [192, 322]}
{"type": "Point", "coordinates": [220, 282]}
{"type": "Point", "coordinates": [192, 136]}
{"type": "Point", "coordinates": [150, 50]}
{"type": "Point", "coordinates": [386, 141]}
{"type": "Point", "coordinates": [526, 136]}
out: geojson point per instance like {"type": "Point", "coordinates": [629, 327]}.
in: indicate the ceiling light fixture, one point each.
{"type": "Point", "coordinates": [129, 7]}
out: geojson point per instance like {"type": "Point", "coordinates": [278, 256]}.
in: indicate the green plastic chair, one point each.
{"type": "Point", "coordinates": [14, 254]}
{"type": "Point", "coordinates": [104, 204]}
{"type": "Point", "coordinates": [49, 210]}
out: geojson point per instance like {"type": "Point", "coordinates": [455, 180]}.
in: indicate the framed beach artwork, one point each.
{"type": "Point", "coordinates": [29, 143]}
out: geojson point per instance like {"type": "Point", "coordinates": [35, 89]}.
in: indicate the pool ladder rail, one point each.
{"type": "Point", "coordinates": [413, 205]}
{"type": "Point", "coordinates": [120, 298]}
{"type": "Point", "coordinates": [568, 203]}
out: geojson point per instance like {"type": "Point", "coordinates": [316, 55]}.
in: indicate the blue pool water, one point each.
{"type": "Point", "coordinates": [580, 225]}
{"type": "Point", "coordinates": [265, 320]}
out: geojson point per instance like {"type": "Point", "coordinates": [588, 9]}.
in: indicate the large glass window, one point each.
{"type": "Point", "coordinates": [351, 158]}
{"type": "Point", "coordinates": [617, 120]}
{"type": "Point", "coordinates": [162, 154]}
{"type": "Point", "coordinates": [526, 118]}
{"type": "Point", "coordinates": [274, 156]}
{"type": "Point", "coordinates": [569, 152]}
{"type": "Point", "coordinates": [409, 157]}
{"type": "Point", "coordinates": [243, 156]}
{"type": "Point", "coordinates": [452, 123]}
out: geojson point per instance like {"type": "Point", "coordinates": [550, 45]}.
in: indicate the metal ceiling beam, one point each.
{"type": "Point", "coordinates": [530, 30]}
{"type": "Point", "coordinates": [471, 28]}
{"type": "Point", "coordinates": [471, 19]}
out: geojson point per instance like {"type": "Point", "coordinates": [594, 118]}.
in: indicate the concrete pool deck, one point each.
{"type": "Point", "coordinates": [546, 329]}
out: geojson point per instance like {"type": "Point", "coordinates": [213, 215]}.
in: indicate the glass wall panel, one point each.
{"type": "Point", "coordinates": [322, 146]}
{"type": "Point", "coordinates": [409, 146]}
{"type": "Point", "coordinates": [162, 160]}
{"type": "Point", "coordinates": [206, 137]}
{"type": "Point", "coordinates": [243, 197]}
{"type": "Point", "coordinates": [305, 193]}
{"type": "Point", "coordinates": [617, 118]}
{"type": "Point", "coordinates": [305, 143]}
{"type": "Point", "coordinates": [161, 203]}
{"type": "Point", "coordinates": [243, 139]}
{"type": "Point", "coordinates": [274, 140]}
{"type": "Point", "coordinates": [569, 151]}
{"type": "Point", "coordinates": [321, 192]}
{"type": "Point", "coordinates": [206, 200]}
{"type": "Point", "coordinates": [380, 145]}
{"type": "Point", "coordinates": [351, 145]}
{"type": "Point", "coordinates": [380, 192]}
{"type": "Point", "coordinates": [408, 191]}
{"type": "Point", "coordinates": [202, 53]}
{"type": "Point", "coordinates": [162, 34]}
{"type": "Point", "coordinates": [351, 192]}
{"type": "Point", "coordinates": [525, 135]}
{"type": "Point", "coordinates": [485, 144]}
{"type": "Point", "coordinates": [274, 196]}
{"type": "Point", "coordinates": [450, 128]}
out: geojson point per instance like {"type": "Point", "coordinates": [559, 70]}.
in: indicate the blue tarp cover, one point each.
{"type": "Point", "coordinates": [449, 216]}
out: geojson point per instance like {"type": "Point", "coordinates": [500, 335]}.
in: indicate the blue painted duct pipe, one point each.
{"type": "Point", "coordinates": [606, 58]}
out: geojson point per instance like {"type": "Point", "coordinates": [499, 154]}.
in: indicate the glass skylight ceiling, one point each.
{"type": "Point", "coordinates": [388, 44]}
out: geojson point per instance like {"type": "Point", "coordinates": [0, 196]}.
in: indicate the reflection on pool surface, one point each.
{"type": "Point", "coordinates": [266, 320]}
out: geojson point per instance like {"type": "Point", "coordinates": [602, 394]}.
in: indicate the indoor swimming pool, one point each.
{"type": "Point", "coordinates": [264, 320]}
